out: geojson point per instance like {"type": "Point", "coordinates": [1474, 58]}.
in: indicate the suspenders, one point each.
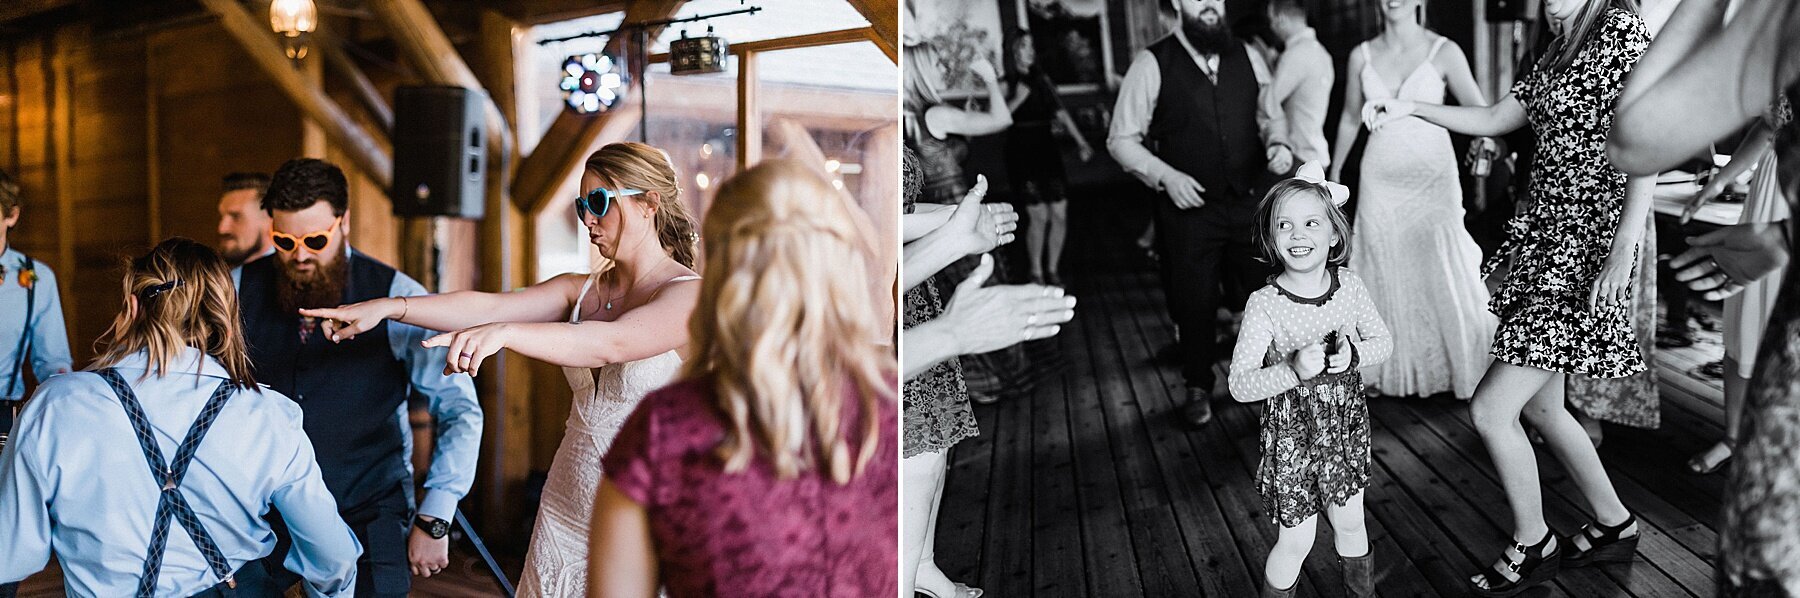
{"type": "Point", "coordinates": [28, 268]}
{"type": "Point", "coordinates": [172, 504]}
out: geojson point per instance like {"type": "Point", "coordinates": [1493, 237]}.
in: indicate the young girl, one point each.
{"type": "Point", "coordinates": [1303, 338]}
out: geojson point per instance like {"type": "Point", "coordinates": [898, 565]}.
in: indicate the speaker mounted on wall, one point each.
{"type": "Point", "coordinates": [440, 153]}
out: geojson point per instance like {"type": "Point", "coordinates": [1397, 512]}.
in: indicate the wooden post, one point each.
{"type": "Point", "coordinates": [749, 138]}
{"type": "Point", "coordinates": [372, 157]}
{"type": "Point", "coordinates": [884, 18]}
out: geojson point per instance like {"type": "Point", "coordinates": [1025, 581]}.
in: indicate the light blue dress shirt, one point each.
{"type": "Point", "coordinates": [74, 480]}
{"type": "Point", "coordinates": [453, 405]}
{"type": "Point", "coordinates": [49, 343]}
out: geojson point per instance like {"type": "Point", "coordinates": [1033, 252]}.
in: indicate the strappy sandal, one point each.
{"type": "Point", "coordinates": [1541, 563]}
{"type": "Point", "coordinates": [1604, 544]}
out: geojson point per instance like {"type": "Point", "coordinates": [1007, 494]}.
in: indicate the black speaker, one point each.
{"type": "Point", "coordinates": [1512, 10]}
{"type": "Point", "coordinates": [440, 158]}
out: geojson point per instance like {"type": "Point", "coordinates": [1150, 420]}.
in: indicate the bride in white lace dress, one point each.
{"type": "Point", "coordinates": [616, 333]}
{"type": "Point", "coordinates": [1410, 245]}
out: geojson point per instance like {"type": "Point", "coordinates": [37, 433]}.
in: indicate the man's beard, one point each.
{"type": "Point", "coordinates": [324, 287]}
{"type": "Point", "coordinates": [1207, 39]}
{"type": "Point", "coordinates": [236, 255]}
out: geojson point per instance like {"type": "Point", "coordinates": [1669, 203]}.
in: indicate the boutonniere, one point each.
{"type": "Point", "coordinates": [28, 278]}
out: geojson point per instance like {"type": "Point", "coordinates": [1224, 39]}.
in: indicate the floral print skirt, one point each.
{"type": "Point", "coordinates": [1315, 447]}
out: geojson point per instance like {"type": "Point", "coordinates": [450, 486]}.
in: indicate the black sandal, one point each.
{"type": "Point", "coordinates": [1604, 544]}
{"type": "Point", "coordinates": [1540, 565]}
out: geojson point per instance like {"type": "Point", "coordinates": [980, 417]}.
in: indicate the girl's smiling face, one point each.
{"type": "Point", "coordinates": [1302, 232]}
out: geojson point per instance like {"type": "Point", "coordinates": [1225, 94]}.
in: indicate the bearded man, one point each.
{"type": "Point", "coordinates": [1195, 121]}
{"type": "Point", "coordinates": [352, 390]}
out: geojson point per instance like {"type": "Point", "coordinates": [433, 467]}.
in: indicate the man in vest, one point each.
{"type": "Point", "coordinates": [350, 391]}
{"type": "Point", "coordinates": [32, 335]}
{"type": "Point", "coordinates": [1195, 121]}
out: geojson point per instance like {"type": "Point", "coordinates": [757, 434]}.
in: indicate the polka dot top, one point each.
{"type": "Point", "coordinates": [1278, 323]}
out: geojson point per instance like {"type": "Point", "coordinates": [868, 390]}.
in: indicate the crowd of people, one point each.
{"type": "Point", "coordinates": [244, 428]}
{"type": "Point", "coordinates": [1249, 216]}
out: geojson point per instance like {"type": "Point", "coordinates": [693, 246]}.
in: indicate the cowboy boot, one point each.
{"type": "Point", "coordinates": [1359, 575]}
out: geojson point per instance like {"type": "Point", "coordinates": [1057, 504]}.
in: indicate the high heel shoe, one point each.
{"type": "Point", "coordinates": [962, 591]}
{"type": "Point", "coordinates": [1540, 564]}
{"type": "Point", "coordinates": [1604, 544]}
{"type": "Point", "coordinates": [1698, 465]}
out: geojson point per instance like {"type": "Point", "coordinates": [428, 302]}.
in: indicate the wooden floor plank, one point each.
{"type": "Point", "coordinates": [1057, 548]}
{"type": "Point", "coordinates": [1106, 493]}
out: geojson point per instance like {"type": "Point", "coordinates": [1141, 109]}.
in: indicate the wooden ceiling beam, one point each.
{"type": "Point", "coordinates": [884, 18]}
{"type": "Point", "coordinates": [345, 67]}
{"type": "Point", "coordinates": [372, 157]}
{"type": "Point", "coordinates": [557, 155]}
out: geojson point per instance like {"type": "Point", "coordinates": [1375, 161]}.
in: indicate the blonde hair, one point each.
{"type": "Point", "coordinates": [642, 167]}
{"type": "Point", "coordinates": [1567, 46]}
{"type": "Point", "coordinates": [785, 325]}
{"type": "Point", "coordinates": [184, 299]}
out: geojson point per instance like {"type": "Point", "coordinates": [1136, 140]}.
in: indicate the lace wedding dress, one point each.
{"type": "Point", "coordinates": [1410, 246]}
{"type": "Point", "coordinates": [556, 565]}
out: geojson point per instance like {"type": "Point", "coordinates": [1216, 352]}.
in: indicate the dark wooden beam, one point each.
{"type": "Point", "coordinates": [557, 155]}
{"type": "Point", "coordinates": [823, 38]}
{"type": "Point", "coordinates": [369, 155]}
{"type": "Point", "coordinates": [884, 18]}
{"type": "Point", "coordinates": [366, 93]}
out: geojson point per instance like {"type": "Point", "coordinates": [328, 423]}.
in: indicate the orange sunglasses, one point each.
{"type": "Point", "coordinates": [316, 241]}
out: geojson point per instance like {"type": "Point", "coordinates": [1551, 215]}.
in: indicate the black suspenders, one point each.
{"type": "Point", "coordinates": [172, 505]}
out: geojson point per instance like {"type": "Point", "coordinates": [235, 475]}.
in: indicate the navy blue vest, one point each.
{"type": "Point", "coordinates": [1205, 130]}
{"type": "Point", "coordinates": [349, 391]}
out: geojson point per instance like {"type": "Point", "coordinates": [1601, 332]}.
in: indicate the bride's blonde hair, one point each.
{"type": "Point", "coordinates": [785, 325]}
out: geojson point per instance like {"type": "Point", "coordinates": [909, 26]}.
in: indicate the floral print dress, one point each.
{"type": "Point", "coordinates": [1560, 243]}
{"type": "Point", "coordinates": [936, 402]}
{"type": "Point", "coordinates": [1315, 432]}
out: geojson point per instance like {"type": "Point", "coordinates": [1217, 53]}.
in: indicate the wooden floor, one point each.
{"type": "Point", "coordinates": [1090, 488]}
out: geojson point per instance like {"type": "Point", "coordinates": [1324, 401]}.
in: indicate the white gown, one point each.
{"type": "Point", "coordinates": [556, 565]}
{"type": "Point", "coordinates": [1422, 268]}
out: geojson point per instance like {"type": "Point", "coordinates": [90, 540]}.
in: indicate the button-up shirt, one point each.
{"type": "Point", "coordinates": [75, 480]}
{"type": "Point", "coordinates": [1302, 87]}
{"type": "Point", "coordinates": [1137, 103]}
{"type": "Point", "coordinates": [453, 404]}
{"type": "Point", "coordinates": [48, 346]}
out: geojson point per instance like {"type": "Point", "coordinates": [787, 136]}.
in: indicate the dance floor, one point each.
{"type": "Point", "coordinates": [1090, 488]}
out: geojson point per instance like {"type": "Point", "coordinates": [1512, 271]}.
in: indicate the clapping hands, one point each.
{"type": "Point", "coordinates": [982, 227]}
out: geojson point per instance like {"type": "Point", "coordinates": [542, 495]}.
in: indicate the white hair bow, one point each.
{"type": "Point", "coordinates": [1311, 172]}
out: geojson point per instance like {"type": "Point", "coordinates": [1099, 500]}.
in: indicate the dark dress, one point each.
{"type": "Point", "coordinates": [1033, 164]}
{"type": "Point", "coordinates": [1559, 246]}
{"type": "Point", "coordinates": [750, 533]}
{"type": "Point", "coordinates": [936, 402]}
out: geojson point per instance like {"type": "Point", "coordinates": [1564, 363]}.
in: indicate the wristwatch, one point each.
{"type": "Point", "coordinates": [434, 527]}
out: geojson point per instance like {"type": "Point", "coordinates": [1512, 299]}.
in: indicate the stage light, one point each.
{"type": "Point", "coordinates": [593, 82]}
{"type": "Point", "coordinates": [294, 21]}
{"type": "Point", "coordinates": [697, 55]}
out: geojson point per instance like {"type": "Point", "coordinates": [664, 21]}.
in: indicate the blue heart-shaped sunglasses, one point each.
{"type": "Point", "coordinates": [599, 201]}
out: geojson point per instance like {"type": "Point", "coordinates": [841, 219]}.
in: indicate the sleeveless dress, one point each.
{"type": "Point", "coordinates": [557, 563]}
{"type": "Point", "coordinates": [1409, 244]}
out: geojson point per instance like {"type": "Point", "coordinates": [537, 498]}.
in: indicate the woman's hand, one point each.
{"type": "Point", "coordinates": [1381, 112]}
{"type": "Point", "coordinates": [1613, 285]}
{"type": "Point", "coordinates": [1711, 191]}
{"type": "Point", "coordinates": [1308, 361]}
{"type": "Point", "coordinates": [470, 346]}
{"type": "Point", "coordinates": [344, 322]}
{"type": "Point", "coordinates": [984, 71]}
{"type": "Point", "coordinates": [1721, 262]}
{"type": "Point", "coordinates": [997, 317]}
{"type": "Point", "coordinates": [978, 227]}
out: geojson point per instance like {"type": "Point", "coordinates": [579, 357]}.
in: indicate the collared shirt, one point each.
{"type": "Point", "coordinates": [1302, 86]}
{"type": "Point", "coordinates": [453, 404]}
{"type": "Point", "coordinates": [75, 479]}
{"type": "Point", "coordinates": [49, 342]}
{"type": "Point", "coordinates": [1137, 102]}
